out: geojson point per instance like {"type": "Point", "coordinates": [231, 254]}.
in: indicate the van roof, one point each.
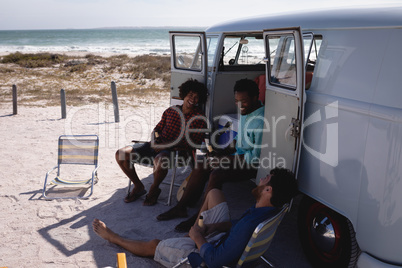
{"type": "Point", "coordinates": [388, 17]}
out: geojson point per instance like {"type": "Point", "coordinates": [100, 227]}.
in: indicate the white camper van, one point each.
{"type": "Point", "coordinates": [331, 82]}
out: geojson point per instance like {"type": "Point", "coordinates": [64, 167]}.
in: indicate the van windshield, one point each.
{"type": "Point", "coordinates": [242, 50]}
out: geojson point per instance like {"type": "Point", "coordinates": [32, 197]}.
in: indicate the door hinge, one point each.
{"type": "Point", "coordinates": [295, 130]}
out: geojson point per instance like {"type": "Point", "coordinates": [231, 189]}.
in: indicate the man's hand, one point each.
{"type": "Point", "coordinates": [197, 234]}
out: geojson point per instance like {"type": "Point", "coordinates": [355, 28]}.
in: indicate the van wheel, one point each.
{"type": "Point", "coordinates": [328, 239]}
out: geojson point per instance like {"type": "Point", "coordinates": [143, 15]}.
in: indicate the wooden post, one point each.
{"type": "Point", "coordinates": [115, 103]}
{"type": "Point", "coordinates": [14, 99]}
{"type": "Point", "coordinates": [63, 104]}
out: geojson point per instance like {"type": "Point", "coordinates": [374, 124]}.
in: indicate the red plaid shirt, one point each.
{"type": "Point", "coordinates": [170, 127]}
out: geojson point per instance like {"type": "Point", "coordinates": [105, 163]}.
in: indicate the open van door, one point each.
{"type": "Point", "coordinates": [188, 60]}
{"type": "Point", "coordinates": [284, 100]}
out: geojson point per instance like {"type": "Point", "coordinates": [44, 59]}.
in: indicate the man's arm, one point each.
{"type": "Point", "coordinates": [256, 140]}
{"type": "Point", "coordinates": [230, 250]}
{"type": "Point", "coordinates": [161, 124]}
{"type": "Point", "coordinates": [198, 233]}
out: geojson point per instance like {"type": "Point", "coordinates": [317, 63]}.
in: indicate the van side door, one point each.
{"type": "Point", "coordinates": [284, 100]}
{"type": "Point", "coordinates": [188, 60]}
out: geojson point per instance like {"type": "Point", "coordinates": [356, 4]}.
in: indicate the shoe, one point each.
{"type": "Point", "coordinates": [185, 226]}
{"type": "Point", "coordinates": [172, 213]}
{"type": "Point", "coordinates": [131, 197]}
{"type": "Point", "coordinates": [151, 200]}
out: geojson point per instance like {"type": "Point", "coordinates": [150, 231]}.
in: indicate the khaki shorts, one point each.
{"type": "Point", "coordinates": [169, 252]}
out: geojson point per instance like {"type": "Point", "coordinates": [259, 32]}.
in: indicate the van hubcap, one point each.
{"type": "Point", "coordinates": [324, 232]}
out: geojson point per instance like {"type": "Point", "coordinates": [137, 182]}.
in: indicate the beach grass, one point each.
{"type": "Point", "coordinates": [39, 77]}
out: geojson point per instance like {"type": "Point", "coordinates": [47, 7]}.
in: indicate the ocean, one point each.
{"type": "Point", "coordinates": [134, 41]}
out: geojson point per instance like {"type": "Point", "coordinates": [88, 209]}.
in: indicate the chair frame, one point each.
{"type": "Point", "coordinates": [95, 138]}
{"type": "Point", "coordinates": [172, 181]}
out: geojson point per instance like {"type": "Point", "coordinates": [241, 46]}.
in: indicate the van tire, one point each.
{"type": "Point", "coordinates": [337, 250]}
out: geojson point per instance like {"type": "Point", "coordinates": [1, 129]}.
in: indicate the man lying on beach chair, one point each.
{"type": "Point", "coordinates": [256, 246]}
{"type": "Point", "coordinates": [216, 247]}
{"type": "Point", "coordinates": [170, 138]}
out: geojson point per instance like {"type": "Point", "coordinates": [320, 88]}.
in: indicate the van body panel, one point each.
{"type": "Point", "coordinates": [380, 209]}
{"type": "Point", "coordinates": [388, 89]}
{"type": "Point", "coordinates": [329, 163]}
{"type": "Point", "coordinates": [366, 261]}
{"type": "Point", "coordinates": [369, 135]}
{"type": "Point", "coordinates": [313, 20]}
{"type": "Point", "coordinates": [344, 53]}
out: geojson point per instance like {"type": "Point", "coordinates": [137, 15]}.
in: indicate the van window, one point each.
{"type": "Point", "coordinates": [242, 52]}
{"type": "Point", "coordinates": [312, 46]}
{"type": "Point", "coordinates": [187, 54]}
{"type": "Point", "coordinates": [282, 60]}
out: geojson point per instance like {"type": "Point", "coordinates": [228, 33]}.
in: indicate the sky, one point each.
{"type": "Point", "coordinates": [85, 14]}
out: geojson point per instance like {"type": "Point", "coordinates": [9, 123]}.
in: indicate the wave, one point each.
{"type": "Point", "coordinates": [90, 49]}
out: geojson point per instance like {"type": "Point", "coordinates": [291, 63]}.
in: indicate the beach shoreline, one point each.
{"type": "Point", "coordinates": [84, 53]}
{"type": "Point", "coordinates": [86, 78]}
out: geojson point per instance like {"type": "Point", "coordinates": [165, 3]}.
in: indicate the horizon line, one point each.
{"type": "Point", "coordinates": [108, 28]}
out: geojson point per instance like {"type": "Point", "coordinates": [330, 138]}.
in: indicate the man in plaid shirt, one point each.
{"type": "Point", "coordinates": [170, 128]}
{"type": "Point", "coordinates": [176, 131]}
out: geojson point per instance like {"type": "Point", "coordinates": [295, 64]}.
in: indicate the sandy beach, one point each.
{"type": "Point", "coordinates": [58, 233]}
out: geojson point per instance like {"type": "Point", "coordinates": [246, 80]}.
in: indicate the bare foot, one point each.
{"type": "Point", "coordinates": [104, 232]}
{"type": "Point", "coordinates": [134, 195]}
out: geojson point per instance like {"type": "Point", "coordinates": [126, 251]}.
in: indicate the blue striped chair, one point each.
{"type": "Point", "coordinates": [74, 150]}
{"type": "Point", "coordinates": [256, 247]}
{"type": "Point", "coordinates": [261, 239]}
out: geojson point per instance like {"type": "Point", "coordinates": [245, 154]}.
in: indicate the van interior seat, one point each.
{"type": "Point", "coordinates": [260, 80]}
{"type": "Point", "coordinates": [309, 77]}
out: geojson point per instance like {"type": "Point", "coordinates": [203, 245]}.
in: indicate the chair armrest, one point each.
{"type": "Point", "coordinates": [44, 185]}
{"type": "Point", "coordinates": [137, 141]}
{"type": "Point", "coordinates": [47, 174]}
{"type": "Point", "coordinates": [94, 171]}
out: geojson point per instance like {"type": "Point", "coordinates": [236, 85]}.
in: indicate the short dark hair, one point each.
{"type": "Point", "coordinates": [284, 186]}
{"type": "Point", "coordinates": [194, 86]}
{"type": "Point", "coordinates": [247, 85]}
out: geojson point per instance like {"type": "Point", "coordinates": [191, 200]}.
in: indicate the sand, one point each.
{"type": "Point", "coordinates": [58, 233]}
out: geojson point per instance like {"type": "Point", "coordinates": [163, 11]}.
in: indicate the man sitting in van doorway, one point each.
{"type": "Point", "coordinates": [169, 138]}
{"type": "Point", "coordinates": [231, 165]}
{"type": "Point", "coordinates": [216, 248]}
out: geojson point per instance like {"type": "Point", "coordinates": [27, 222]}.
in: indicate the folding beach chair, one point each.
{"type": "Point", "coordinates": [176, 164]}
{"type": "Point", "coordinates": [256, 247]}
{"type": "Point", "coordinates": [261, 239]}
{"type": "Point", "coordinates": [74, 150]}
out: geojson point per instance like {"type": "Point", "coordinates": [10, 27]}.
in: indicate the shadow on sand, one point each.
{"type": "Point", "coordinates": [138, 222]}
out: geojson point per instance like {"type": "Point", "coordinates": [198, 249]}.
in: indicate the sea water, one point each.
{"type": "Point", "coordinates": [120, 41]}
